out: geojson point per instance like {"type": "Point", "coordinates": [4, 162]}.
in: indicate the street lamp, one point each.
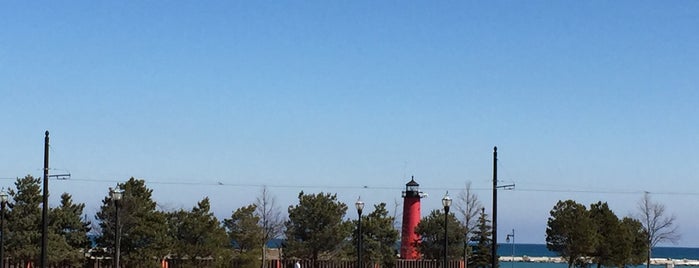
{"type": "Point", "coordinates": [446, 202]}
{"type": "Point", "coordinates": [116, 197]}
{"type": "Point", "coordinates": [507, 239]}
{"type": "Point", "coordinates": [360, 206]}
{"type": "Point", "coordinates": [3, 200]}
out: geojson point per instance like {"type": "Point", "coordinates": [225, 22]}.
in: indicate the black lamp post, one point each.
{"type": "Point", "coordinates": [360, 206]}
{"type": "Point", "coordinates": [3, 200]}
{"type": "Point", "coordinates": [116, 197]}
{"type": "Point", "coordinates": [446, 202]}
{"type": "Point", "coordinates": [507, 239]}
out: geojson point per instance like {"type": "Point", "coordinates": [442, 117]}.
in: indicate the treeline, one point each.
{"type": "Point", "coordinates": [316, 229]}
{"type": "Point", "coordinates": [595, 235]}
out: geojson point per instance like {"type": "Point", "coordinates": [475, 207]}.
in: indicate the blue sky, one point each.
{"type": "Point", "coordinates": [588, 101]}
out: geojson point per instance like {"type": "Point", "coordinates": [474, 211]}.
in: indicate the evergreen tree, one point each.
{"type": "Point", "coordinates": [609, 237]}
{"type": "Point", "coordinates": [68, 234]}
{"type": "Point", "coordinates": [570, 232]}
{"type": "Point", "coordinates": [635, 246]}
{"type": "Point", "coordinates": [23, 238]}
{"type": "Point", "coordinates": [482, 235]}
{"type": "Point", "coordinates": [244, 231]}
{"type": "Point", "coordinates": [316, 227]}
{"type": "Point", "coordinates": [143, 229]}
{"type": "Point", "coordinates": [431, 232]}
{"type": "Point", "coordinates": [379, 237]}
{"type": "Point", "coordinates": [198, 234]}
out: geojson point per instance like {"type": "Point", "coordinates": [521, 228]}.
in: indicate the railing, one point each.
{"type": "Point", "coordinates": [353, 264]}
{"type": "Point", "coordinates": [173, 263]}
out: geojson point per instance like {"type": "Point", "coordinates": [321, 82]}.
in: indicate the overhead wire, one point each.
{"type": "Point", "coordinates": [519, 188]}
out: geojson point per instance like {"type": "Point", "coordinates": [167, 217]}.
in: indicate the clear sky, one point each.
{"type": "Point", "coordinates": [586, 100]}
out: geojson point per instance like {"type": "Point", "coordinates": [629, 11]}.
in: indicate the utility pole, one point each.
{"type": "Point", "coordinates": [45, 200]}
{"type": "Point", "coordinates": [494, 247]}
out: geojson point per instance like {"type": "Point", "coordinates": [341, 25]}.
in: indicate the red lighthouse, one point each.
{"type": "Point", "coordinates": [411, 217]}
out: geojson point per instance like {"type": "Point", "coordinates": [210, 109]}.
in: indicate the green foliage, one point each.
{"type": "Point", "coordinates": [482, 235]}
{"type": "Point", "coordinates": [243, 229]}
{"type": "Point", "coordinates": [609, 238]}
{"type": "Point", "coordinates": [143, 229]}
{"type": "Point", "coordinates": [596, 235]}
{"type": "Point", "coordinates": [431, 232]}
{"type": "Point", "coordinates": [636, 237]}
{"type": "Point", "coordinates": [316, 227]}
{"type": "Point", "coordinates": [379, 237]}
{"type": "Point", "coordinates": [197, 234]}
{"type": "Point", "coordinates": [68, 233]}
{"type": "Point", "coordinates": [570, 232]}
{"type": "Point", "coordinates": [24, 220]}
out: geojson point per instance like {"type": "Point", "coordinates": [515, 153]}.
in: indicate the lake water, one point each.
{"type": "Point", "coordinates": [539, 250]}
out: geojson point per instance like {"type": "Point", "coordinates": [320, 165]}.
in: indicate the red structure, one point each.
{"type": "Point", "coordinates": [411, 217]}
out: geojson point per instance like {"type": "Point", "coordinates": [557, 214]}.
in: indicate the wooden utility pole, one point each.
{"type": "Point", "coordinates": [494, 248]}
{"type": "Point", "coordinates": [45, 200]}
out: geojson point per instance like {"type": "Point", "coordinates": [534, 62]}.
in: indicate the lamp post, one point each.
{"type": "Point", "coordinates": [507, 239]}
{"type": "Point", "coordinates": [116, 197]}
{"type": "Point", "coordinates": [3, 200]}
{"type": "Point", "coordinates": [360, 206]}
{"type": "Point", "coordinates": [446, 202]}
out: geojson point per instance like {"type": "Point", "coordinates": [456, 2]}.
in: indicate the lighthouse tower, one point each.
{"type": "Point", "coordinates": [411, 217]}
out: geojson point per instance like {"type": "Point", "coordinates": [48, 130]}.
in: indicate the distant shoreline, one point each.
{"type": "Point", "coordinates": [653, 261]}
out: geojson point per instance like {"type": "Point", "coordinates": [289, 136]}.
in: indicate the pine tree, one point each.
{"type": "Point", "coordinates": [482, 252]}
{"type": "Point", "coordinates": [431, 232]}
{"type": "Point", "coordinates": [379, 237]}
{"type": "Point", "coordinates": [198, 234]}
{"type": "Point", "coordinates": [635, 245]}
{"type": "Point", "coordinates": [608, 235]}
{"type": "Point", "coordinates": [244, 231]}
{"type": "Point", "coordinates": [570, 232]}
{"type": "Point", "coordinates": [68, 233]}
{"type": "Point", "coordinates": [24, 220]}
{"type": "Point", "coordinates": [142, 228]}
{"type": "Point", "coordinates": [316, 227]}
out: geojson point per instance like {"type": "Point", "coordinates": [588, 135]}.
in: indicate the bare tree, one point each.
{"type": "Point", "coordinates": [658, 226]}
{"type": "Point", "coordinates": [396, 214]}
{"type": "Point", "coordinates": [469, 207]}
{"type": "Point", "coordinates": [271, 219]}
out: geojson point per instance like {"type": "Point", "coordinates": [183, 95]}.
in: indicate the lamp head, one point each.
{"type": "Point", "coordinates": [446, 200]}
{"type": "Point", "coordinates": [359, 205]}
{"type": "Point", "coordinates": [116, 194]}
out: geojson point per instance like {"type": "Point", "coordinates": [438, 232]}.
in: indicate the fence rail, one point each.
{"type": "Point", "coordinates": [174, 263]}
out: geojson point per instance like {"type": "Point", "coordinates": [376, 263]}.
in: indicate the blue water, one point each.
{"type": "Point", "coordinates": [506, 264]}
{"type": "Point", "coordinates": [539, 250]}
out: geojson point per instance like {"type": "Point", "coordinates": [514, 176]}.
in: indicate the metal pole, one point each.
{"type": "Point", "coordinates": [360, 263]}
{"type": "Point", "coordinates": [494, 246]}
{"type": "Point", "coordinates": [513, 248]}
{"type": "Point", "coordinates": [2, 235]}
{"type": "Point", "coordinates": [446, 215]}
{"type": "Point", "coordinates": [116, 234]}
{"type": "Point", "coordinates": [45, 208]}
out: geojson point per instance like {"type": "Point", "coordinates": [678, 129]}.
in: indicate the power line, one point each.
{"type": "Point", "coordinates": [379, 187]}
